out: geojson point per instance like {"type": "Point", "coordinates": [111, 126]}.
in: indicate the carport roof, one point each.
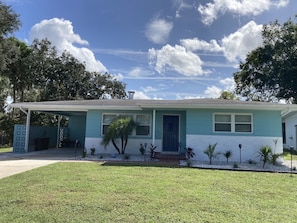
{"type": "Point", "coordinates": [140, 104]}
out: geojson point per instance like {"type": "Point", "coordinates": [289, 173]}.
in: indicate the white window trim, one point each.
{"type": "Point", "coordinates": [233, 123]}
{"type": "Point", "coordinates": [134, 115]}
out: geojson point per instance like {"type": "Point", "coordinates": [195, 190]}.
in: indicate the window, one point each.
{"type": "Point", "coordinates": [143, 120]}
{"type": "Point", "coordinates": [233, 123]}
{"type": "Point", "coordinates": [107, 119]}
{"type": "Point", "coordinates": [143, 127]}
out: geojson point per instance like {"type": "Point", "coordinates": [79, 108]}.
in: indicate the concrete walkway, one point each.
{"type": "Point", "coordinates": [14, 163]}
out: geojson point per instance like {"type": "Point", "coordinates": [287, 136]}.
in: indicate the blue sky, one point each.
{"type": "Point", "coordinates": [161, 49]}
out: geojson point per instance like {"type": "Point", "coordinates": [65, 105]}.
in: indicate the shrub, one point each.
{"type": "Point", "coordinates": [93, 151]}
{"type": "Point", "coordinates": [228, 154]}
{"type": "Point", "coordinates": [235, 165]}
{"type": "Point", "coordinates": [265, 154]}
{"type": "Point", "coordinates": [210, 152]}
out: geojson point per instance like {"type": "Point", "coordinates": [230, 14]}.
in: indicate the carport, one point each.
{"type": "Point", "coordinates": [26, 135]}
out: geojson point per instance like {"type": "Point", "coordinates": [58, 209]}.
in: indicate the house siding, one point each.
{"type": "Point", "coordinates": [266, 128]}
{"type": "Point", "coordinates": [265, 123]}
{"type": "Point", "coordinates": [196, 130]}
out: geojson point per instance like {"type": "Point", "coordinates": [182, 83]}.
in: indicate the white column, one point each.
{"type": "Point", "coordinates": [58, 131]}
{"type": "Point", "coordinates": [154, 126]}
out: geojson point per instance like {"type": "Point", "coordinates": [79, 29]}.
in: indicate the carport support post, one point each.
{"type": "Point", "coordinates": [58, 132]}
{"type": "Point", "coordinates": [154, 126]}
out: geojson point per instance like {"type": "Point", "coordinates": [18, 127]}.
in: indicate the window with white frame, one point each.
{"type": "Point", "coordinates": [231, 122]}
{"type": "Point", "coordinates": [143, 121]}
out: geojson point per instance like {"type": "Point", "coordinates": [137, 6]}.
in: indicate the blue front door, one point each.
{"type": "Point", "coordinates": [170, 133]}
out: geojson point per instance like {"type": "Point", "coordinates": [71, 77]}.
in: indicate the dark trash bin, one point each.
{"type": "Point", "coordinates": [41, 144]}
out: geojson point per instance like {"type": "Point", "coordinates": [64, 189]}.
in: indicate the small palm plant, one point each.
{"type": "Point", "coordinates": [210, 152]}
{"type": "Point", "coordinates": [189, 154]}
{"type": "Point", "coordinates": [265, 154]}
{"type": "Point", "coordinates": [228, 154]}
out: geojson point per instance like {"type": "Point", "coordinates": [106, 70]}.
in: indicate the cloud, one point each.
{"type": "Point", "coordinates": [158, 30]}
{"type": "Point", "coordinates": [180, 5]}
{"type": "Point", "coordinates": [228, 84]}
{"type": "Point", "coordinates": [213, 92]}
{"type": "Point", "coordinates": [195, 44]}
{"type": "Point", "coordinates": [60, 33]}
{"type": "Point", "coordinates": [176, 58]}
{"type": "Point", "coordinates": [238, 44]}
{"type": "Point", "coordinates": [234, 46]}
{"type": "Point", "coordinates": [211, 11]}
{"type": "Point", "coordinates": [140, 95]}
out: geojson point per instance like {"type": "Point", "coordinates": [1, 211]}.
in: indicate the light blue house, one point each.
{"type": "Point", "coordinates": [171, 125]}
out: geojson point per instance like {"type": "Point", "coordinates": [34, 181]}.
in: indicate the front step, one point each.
{"type": "Point", "coordinates": [169, 157]}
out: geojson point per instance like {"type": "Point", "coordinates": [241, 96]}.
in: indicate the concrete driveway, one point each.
{"type": "Point", "coordinates": [14, 163]}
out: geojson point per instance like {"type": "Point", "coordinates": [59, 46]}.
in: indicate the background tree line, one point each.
{"type": "Point", "coordinates": [36, 72]}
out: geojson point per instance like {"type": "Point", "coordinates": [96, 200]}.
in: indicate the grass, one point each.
{"type": "Point", "coordinates": [93, 192]}
{"type": "Point", "coordinates": [5, 149]}
{"type": "Point", "coordinates": [287, 154]}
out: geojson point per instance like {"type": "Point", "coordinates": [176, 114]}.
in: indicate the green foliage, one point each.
{"type": "Point", "coordinates": [265, 154]}
{"type": "Point", "coordinates": [227, 154]}
{"type": "Point", "coordinates": [250, 161]}
{"type": "Point", "coordinates": [210, 152]}
{"type": "Point", "coordinates": [142, 148]}
{"type": "Point", "coordinates": [274, 158]}
{"type": "Point", "coordinates": [235, 165]}
{"type": "Point", "coordinates": [9, 22]}
{"type": "Point", "coordinates": [228, 95]}
{"type": "Point", "coordinates": [119, 128]}
{"type": "Point", "coordinates": [93, 150]}
{"type": "Point", "coordinates": [269, 72]}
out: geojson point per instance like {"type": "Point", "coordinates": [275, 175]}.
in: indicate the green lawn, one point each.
{"type": "Point", "coordinates": [91, 192]}
{"type": "Point", "coordinates": [5, 149]}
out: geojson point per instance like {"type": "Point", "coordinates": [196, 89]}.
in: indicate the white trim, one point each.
{"type": "Point", "coordinates": [133, 115]}
{"type": "Point", "coordinates": [232, 122]}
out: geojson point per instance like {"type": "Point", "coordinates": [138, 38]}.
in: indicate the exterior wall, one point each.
{"type": "Point", "coordinates": [94, 133]}
{"type": "Point", "coordinates": [250, 146]}
{"type": "Point", "coordinates": [196, 131]}
{"type": "Point", "coordinates": [291, 133]}
{"type": "Point", "coordinates": [266, 128]}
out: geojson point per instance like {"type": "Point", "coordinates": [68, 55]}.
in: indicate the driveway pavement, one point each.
{"type": "Point", "coordinates": [14, 163]}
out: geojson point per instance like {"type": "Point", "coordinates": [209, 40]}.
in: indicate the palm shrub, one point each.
{"type": "Point", "coordinates": [120, 128]}
{"type": "Point", "coordinates": [265, 154]}
{"type": "Point", "coordinates": [228, 154]}
{"type": "Point", "coordinates": [210, 152]}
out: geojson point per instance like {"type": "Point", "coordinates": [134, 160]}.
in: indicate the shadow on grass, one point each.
{"type": "Point", "coordinates": [152, 163]}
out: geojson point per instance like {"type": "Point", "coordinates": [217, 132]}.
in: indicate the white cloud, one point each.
{"type": "Point", "coordinates": [180, 5]}
{"type": "Point", "coordinates": [158, 30]}
{"type": "Point", "coordinates": [148, 89]}
{"type": "Point", "coordinates": [60, 33]}
{"type": "Point", "coordinates": [211, 11]}
{"type": "Point", "coordinates": [176, 59]}
{"type": "Point", "coordinates": [228, 83]}
{"type": "Point", "coordinates": [196, 44]}
{"type": "Point", "coordinates": [238, 44]}
{"type": "Point", "coordinates": [140, 95]}
{"type": "Point", "coordinates": [213, 92]}
{"type": "Point", "coordinates": [234, 46]}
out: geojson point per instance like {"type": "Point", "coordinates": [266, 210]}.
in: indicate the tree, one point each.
{"type": "Point", "coordinates": [270, 71]}
{"type": "Point", "coordinates": [228, 95]}
{"type": "Point", "coordinates": [101, 84]}
{"type": "Point", "coordinates": [119, 128]}
{"type": "Point", "coordinates": [9, 22]}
